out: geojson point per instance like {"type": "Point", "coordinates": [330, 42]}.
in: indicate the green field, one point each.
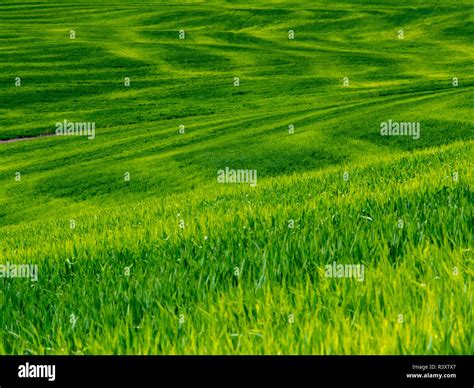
{"type": "Point", "coordinates": [140, 250]}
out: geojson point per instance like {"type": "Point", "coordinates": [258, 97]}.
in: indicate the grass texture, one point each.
{"type": "Point", "coordinates": [172, 262]}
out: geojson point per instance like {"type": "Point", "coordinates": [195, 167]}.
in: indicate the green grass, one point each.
{"type": "Point", "coordinates": [236, 279]}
